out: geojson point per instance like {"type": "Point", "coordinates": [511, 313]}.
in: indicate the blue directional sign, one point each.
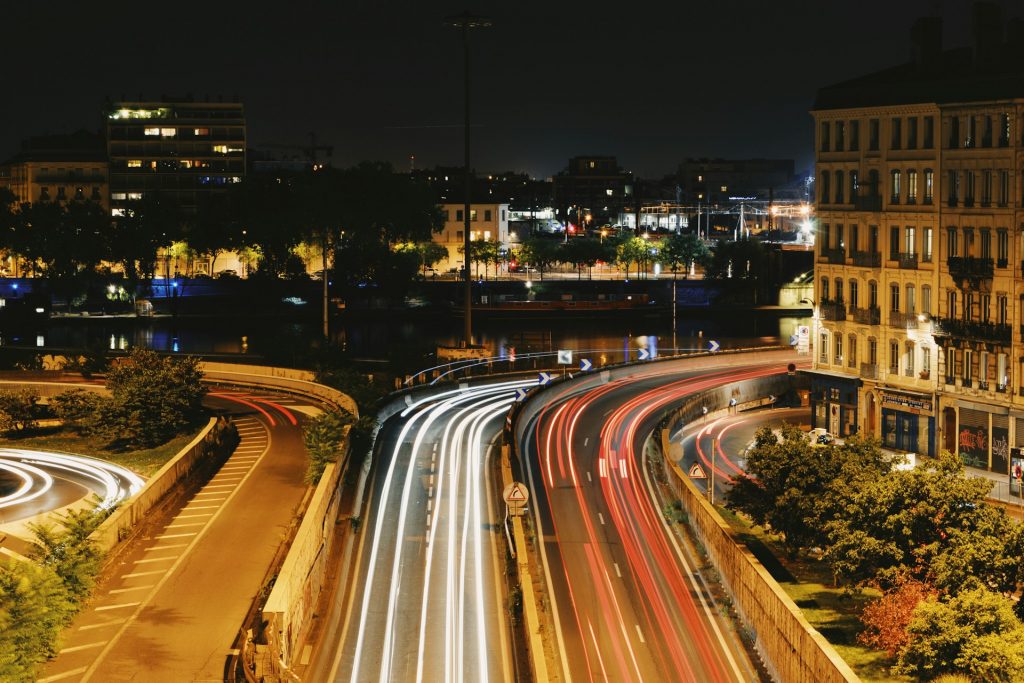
{"type": "Point", "coordinates": [544, 377]}
{"type": "Point", "coordinates": [520, 394]}
{"type": "Point", "coordinates": [643, 354]}
{"type": "Point", "coordinates": [712, 346]}
{"type": "Point", "coordinates": [585, 364]}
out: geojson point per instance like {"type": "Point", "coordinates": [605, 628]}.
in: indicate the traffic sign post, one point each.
{"type": "Point", "coordinates": [643, 354]}
{"type": "Point", "coordinates": [516, 495]}
{"type": "Point", "coordinates": [564, 357]}
{"type": "Point", "coordinates": [520, 395]}
{"type": "Point", "coordinates": [585, 364]}
{"type": "Point", "coordinates": [697, 472]}
{"type": "Point", "coordinates": [713, 346]}
{"type": "Point", "coordinates": [544, 378]}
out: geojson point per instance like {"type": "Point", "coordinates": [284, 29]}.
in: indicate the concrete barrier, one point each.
{"type": "Point", "coordinates": [210, 448]}
{"type": "Point", "coordinates": [289, 608]}
{"type": "Point", "coordinates": [792, 649]}
{"type": "Point", "coordinates": [302, 382]}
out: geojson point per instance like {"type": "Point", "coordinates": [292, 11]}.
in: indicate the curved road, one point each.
{"type": "Point", "coordinates": [628, 605]}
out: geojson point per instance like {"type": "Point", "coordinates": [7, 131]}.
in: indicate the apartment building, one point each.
{"type": "Point", "coordinates": [919, 287]}
{"type": "Point", "coordinates": [58, 168]}
{"type": "Point", "coordinates": [487, 222]}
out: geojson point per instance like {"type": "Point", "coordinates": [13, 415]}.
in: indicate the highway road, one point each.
{"type": "Point", "coordinates": [628, 602]}
{"type": "Point", "coordinates": [427, 604]}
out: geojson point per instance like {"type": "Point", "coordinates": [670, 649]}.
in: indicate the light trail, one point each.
{"type": "Point", "coordinates": [460, 421]}
{"type": "Point", "coordinates": [36, 470]}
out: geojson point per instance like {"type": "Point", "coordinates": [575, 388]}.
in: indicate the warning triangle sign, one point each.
{"type": "Point", "coordinates": [697, 472]}
{"type": "Point", "coordinates": [517, 493]}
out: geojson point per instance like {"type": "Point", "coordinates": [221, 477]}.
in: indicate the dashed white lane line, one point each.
{"type": "Point", "coordinates": [62, 676]}
{"type": "Point", "coordinates": [201, 514]}
{"type": "Point", "coordinates": [600, 517]}
{"type": "Point", "coordinates": [191, 533]}
{"type": "Point", "coordinates": [586, 440]}
{"type": "Point", "coordinates": [165, 547]}
{"type": "Point", "coordinates": [112, 622]}
{"type": "Point", "coordinates": [185, 524]}
{"type": "Point", "coordinates": [590, 478]}
{"type": "Point", "coordinates": [87, 646]}
{"type": "Point", "coordinates": [150, 560]}
{"type": "Point", "coordinates": [190, 508]}
{"type": "Point", "coordinates": [640, 634]}
{"type": "Point", "coordinates": [128, 590]}
{"type": "Point", "coordinates": [121, 606]}
{"type": "Point", "coordinates": [618, 572]}
{"type": "Point", "coordinates": [138, 574]}
{"type": "Point", "coordinates": [219, 486]}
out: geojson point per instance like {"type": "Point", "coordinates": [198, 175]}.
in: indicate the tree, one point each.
{"type": "Point", "coordinates": [540, 253]}
{"type": "Point", "coordinates": [886, 619]}
{"type": "Point", "coordinates": [68, 550]}
{"type": "Point", "coordinates": [323, 437]}
{"type": "Point", "coordinates": [136, 237]}
{"type": "Point", "coordinates": [974, 633]}
{"type": "Point", "coordinates": [633, 250]}
{"type": "Point", "coordinates": [18, 409]}
{"type": "Point", "coordinates": [153, 398]}
{"type": "Point", "coordinates": [482, 251]}
{"type": "Point", "coordinates": [683, 249]}
{"type": "Point", "coordinates": [744, 259]}
{"type": "Point", "coordinates": [582, 252]}
{"type": "Point", "coordinates": [77, 408]}
{"type": "Point", "coordinates": [34, 607]}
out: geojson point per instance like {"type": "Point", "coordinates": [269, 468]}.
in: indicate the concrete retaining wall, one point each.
{"type": "Point", "coordinates": [296, 592]}
{"type": "Point", "coordinates": [789, 645]}
{"type": "Point", "coordinates": [280, 379]}
{"type": "Point", "coordinates": [209, 449]}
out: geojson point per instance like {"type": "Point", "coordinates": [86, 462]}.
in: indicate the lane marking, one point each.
{"type": "Point", "coordinates": [640, 634]}
{"type": "Point", "coordinates": [165, 547]}
{"type": "Point", "coordinates": [601, 518]}
{"type": "Point", "coordinates": [121, 606]}
{"type": "Point", "coordinates": [136, 574]}
{"type": "Point", "coordinates": [156, 559]}
{"type": "Point", "coordinates": [62, 676]}
{"type": "Point", "coordinates": [590, 478]}
{"type": "Point", "coordinates": [87, 646]}
{"type": "Point", "coordinates": [134, 588]}
{"type": "Point", "coordinates": [586, 440]}
{"type": "Point", "coordinates": [618, 572]}
{"type": "Point", "coordinates": [200, 507]}
{"type": "Point", "coordinates": [182, 526]}
{"type": "Point", "coordinates": [201, 514]}
{"type": "Point", "coordinates": [112, 622]}
{"type": "Point", "coordinates": [191, 533]}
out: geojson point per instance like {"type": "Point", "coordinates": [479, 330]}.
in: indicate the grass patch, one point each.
{"type": "Point", "coordinates": [833, 611]}
{"type": "Point", "coordinates": [145, 462]}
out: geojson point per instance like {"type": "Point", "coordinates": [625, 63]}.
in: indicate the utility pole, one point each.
{"type": "Point", "coordinates": [465, 22]}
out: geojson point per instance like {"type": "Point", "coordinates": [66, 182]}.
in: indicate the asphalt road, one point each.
{"type": "Point", "coordinates": [170, 609]}
{"type": "Point", "coordinates": [427, 603]}
{"type": "Point", "coordinates": [628, 604]}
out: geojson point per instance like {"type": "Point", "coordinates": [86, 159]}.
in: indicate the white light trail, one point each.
{"type": "Point", "coordinates": [112, 483]}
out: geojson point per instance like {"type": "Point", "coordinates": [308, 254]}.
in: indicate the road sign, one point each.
{"type": "Point", "coordinates": [544, 377]}
{"type": "Point", "coordinates": [564, 357]}
{"type": "Point", "coordinates": [712, 346]}
{"type": "Point", "coordinates": [697, 472]}
{"type": "Point", "coordinates": [520, 394]}
{"type": "Point", "coordinates": [585, 364]}
{"type": "Point", "coordinates": [516, 495]}
{"type": "Point", "coordinates": [803, 338]}
{"type": "Point", "coordinates": [643, 354]}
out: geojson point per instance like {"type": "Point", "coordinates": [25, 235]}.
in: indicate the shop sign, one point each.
{"type": "Point", "coordinates": [973, 443]}
{"type": "Point", "coordinates": [907, 403]}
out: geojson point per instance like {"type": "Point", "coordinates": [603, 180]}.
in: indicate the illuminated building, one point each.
{"type": "Point", "coordinates": [59, 168]}
{"type": "Point", "coordinates": [487, 222]}
{"type": "Point", "coordinates": [918, 287]}
{"type": "Point", "coordinates": [179, 149]}
{"type": "Point", "coordinates": [594, 186]}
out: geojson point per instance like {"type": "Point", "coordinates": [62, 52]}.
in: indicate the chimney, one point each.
{"type": "Point", "coordinates": [926, 41]}
{"type": "Point", "coordinates": [987, 31]}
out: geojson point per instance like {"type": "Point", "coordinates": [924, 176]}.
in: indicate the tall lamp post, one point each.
{"type": "Point", "coordinates": [465, 22]}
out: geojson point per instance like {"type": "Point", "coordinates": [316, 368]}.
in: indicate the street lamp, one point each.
{"type": "Point", "coordinates": [465, 22]}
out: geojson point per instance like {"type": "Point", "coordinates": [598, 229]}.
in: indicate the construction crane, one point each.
{"type": "Point", "coordinates": [309, 152]}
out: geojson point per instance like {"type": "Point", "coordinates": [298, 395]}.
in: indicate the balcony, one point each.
{"type": "Point", "coordinates": [969, 329]}
{"type": "Point", "coordinates": [834, 256]}
{"type": "Point", "coordinates": [970, 268]}
{"type": "Point", "coordinates": [869, 370]}
{"type": "Point", "coordinates": [868, 203]}
{"type": "Point", "coordinates": [867, 316]}
{"type": "Point", "coordinates": [867, 259]}
{"type": "Point", "coordinates": [902, 321]}
{"type": "Point", "coordinates": [832, 310]}
{"type": "Point", "coordinates": [908, 261]}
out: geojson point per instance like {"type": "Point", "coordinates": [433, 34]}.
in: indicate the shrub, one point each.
{"type": "Point", "coordinates": [18, 410]}
{"type": "Point", "coordinates": [78, 409]}
{"type": "Point", "coordinates": [34, 607]}
{"type": "Point", "coordinates": [886, 619]}
{"type": "Point", "coordinates": [323, 436]}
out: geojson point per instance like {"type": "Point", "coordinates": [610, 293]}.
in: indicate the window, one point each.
{"type": "Point", "coordinates": [911, 187]}
{"type": "Point", "coordinates": [912, 132]}
{"type": "Point", "coordinates": [986, 303]}
{"type": "Point", "coordinates": [459, 215]}
{"type": "Point", "coordinates": [986, 131]}
{"type": "Point", "coordinates": [986, 243]}
{"type": "Point", "coordinates": [954, 132]}
{"type": "Point", "coordinates": [895, 185]}
{"type": "Point", "coordinates": [911, 303]}
{"type": "Point", "coordinates": [825, 187]}
{"type": "Point", "coordinates": [839, 187]}
{"type": "Point", "coordinates": [854, 136]}
{"type": "Point", "coordinates": [168, 132]}
{"type": "Point", "coordinates": [929, 185]}
{"type": "Point", "coordinates": [854, 185]}
{"type": "Point", "coordinates": [826, 130]}
{"type": "Point", "coordinates": [894, 298]}
{"type": "Point", "coordinates": [118, 196]}
{"type": "Point", "coordinates": [969, 306]}
{"type": "Point", "coordinates": [908, 368]}
{"type": "Point", "coordinates": [851, 351]}
{"type": "Point", "coordinates": [896, 127]}
{"type": "Point", "coordinates": [950, 364]}
{"type": "Point", "coordinates": [968, 359]}
{"type": "Point", "coordinates": [60, 192]}
{"type": "Point", "coordinates": [873, 239]}
{"type": "Point", "coordinates": [927, 247]}
{"type": "Point", "coordinates": [151, 131]}
{"type": "Point", "coordinates": [840, 136]}
{"type": "Point", "coordinates": [1004, 188]}
{"type": "Point", "coordinates": [132, 196]}
{"type": "Point", "coordinates": [503, 215]}
{"type": "Point", "coordinates": [951, 304]}
{"type": "Point", "coordinates": [839, 290]}
{"type": "Point", "coordinates": [825, 236]}
{"type": "Point", "coordinates": [968, 188]}
{"type": "Point", "coordinates": [823, 349]}
{"type": "Point", "coordinates": [840, 242]}
{"type": "Point", "coordinates": [1004, 130]}
{"type": "Point", "coordinates": [986, 187]}
{"type": "Point", "coordinates": [1002, 247]}
{"type": "Point", "coordinates": [951, 243]}
{"type": "Point", "coordinates": [971, 140]}
{"type": "Point", "coordinates": [954, 187]}
{"type": "Point", "coordinates": [824, 289]}
{"type": "Point", "coordinates": [95, 194]}
{"type": "Point", "coordinates": [926, 299]}
{"type": "Point", "coordinates": [872, 350]}
{"type": "Point", "coordinates": [894, 357]}
{"type": "Point", "coordinates": [838, 356]}
{"type": "Point", "coordinates": [1002, 379]}
{"type": "Point", "coordinates": [472, 214]}
{"type": "Point", "coordinates": [854, 237]}
{"type": "Point", "coordinates": [487, 214]}
{"type": "Point", "coordinates": [853, 293]}
{"type": "Point", "coordinates": [894, 243]}
{"type": "Point", "coordinates": [458, 235]}
{"type": "Point", "coordinates": [1001, 309]}
{"type": "Point", "coordinates": [873, 135]}
{"type": "Point", "coordinates": [135, 163]}
{"type": "Point", "coordinates": [220, 149]}
{"type": "Point", "coordinates": [200, 132]}
{"type": "Point", "coordinates": [926, 362]}
{"type": "Point", "coordinates": [929, 132]}
{"type": "Point", "coordinates": [968, 241]}
{"type": "Point", "coordinates": [910, 240]}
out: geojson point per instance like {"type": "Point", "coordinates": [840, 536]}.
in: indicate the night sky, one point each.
{"type": "Point", "coordinates": [651, 83]}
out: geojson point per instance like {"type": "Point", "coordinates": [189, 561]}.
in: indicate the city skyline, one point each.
{"type": "Point", "coordinates": [549, 83]}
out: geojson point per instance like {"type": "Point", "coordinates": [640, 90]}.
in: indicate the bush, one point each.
{"type": "Point", "coordinates": [323, 436]}
{"type": "Point", "coordinates": [887, 618]}
{"type": "Point", "coordinates": [18, 410]}
{"type": "Point", "coordinates": [34, 607]}
{"type": "Point", "coordinates": [78, 409]}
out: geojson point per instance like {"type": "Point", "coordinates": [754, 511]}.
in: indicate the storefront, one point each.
{"type": "Point", "coordinates": [983, 436]}
{"type": "Point", "coordinates": [908, 421]}
{"type": "Point", "coordinates": [833, 401]}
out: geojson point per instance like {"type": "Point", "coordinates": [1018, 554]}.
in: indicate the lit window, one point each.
{"type": "Point", "coordinates": [724, 188]}
{"type": "Point", "coordinates": [152, 131]}
{"type": "Point", "coordinates": [117, 212]}
{"type": "Point", "coordinates": [152, 165]}
{"type": "Point", "coordinates": [201, 131]}
{"type": "Point", "coordinates": [487, 234]}
{"type": "Point", "coordinates": [609, 192]}
{"type": "Point", "coordinates": [185, 163]}
{"type": "Point", "coordinates": [134, 195]}
{"type": "Point", "coordinates": [168, 132]}
{"type": "Point", "coordinates": [135, 163]}
{"type": "Point", "coordinates": [235, 179]}
{"type": "Point", "coordinates": [118, 195]}
{"type": "Point", "coordinates": [220, 149]}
